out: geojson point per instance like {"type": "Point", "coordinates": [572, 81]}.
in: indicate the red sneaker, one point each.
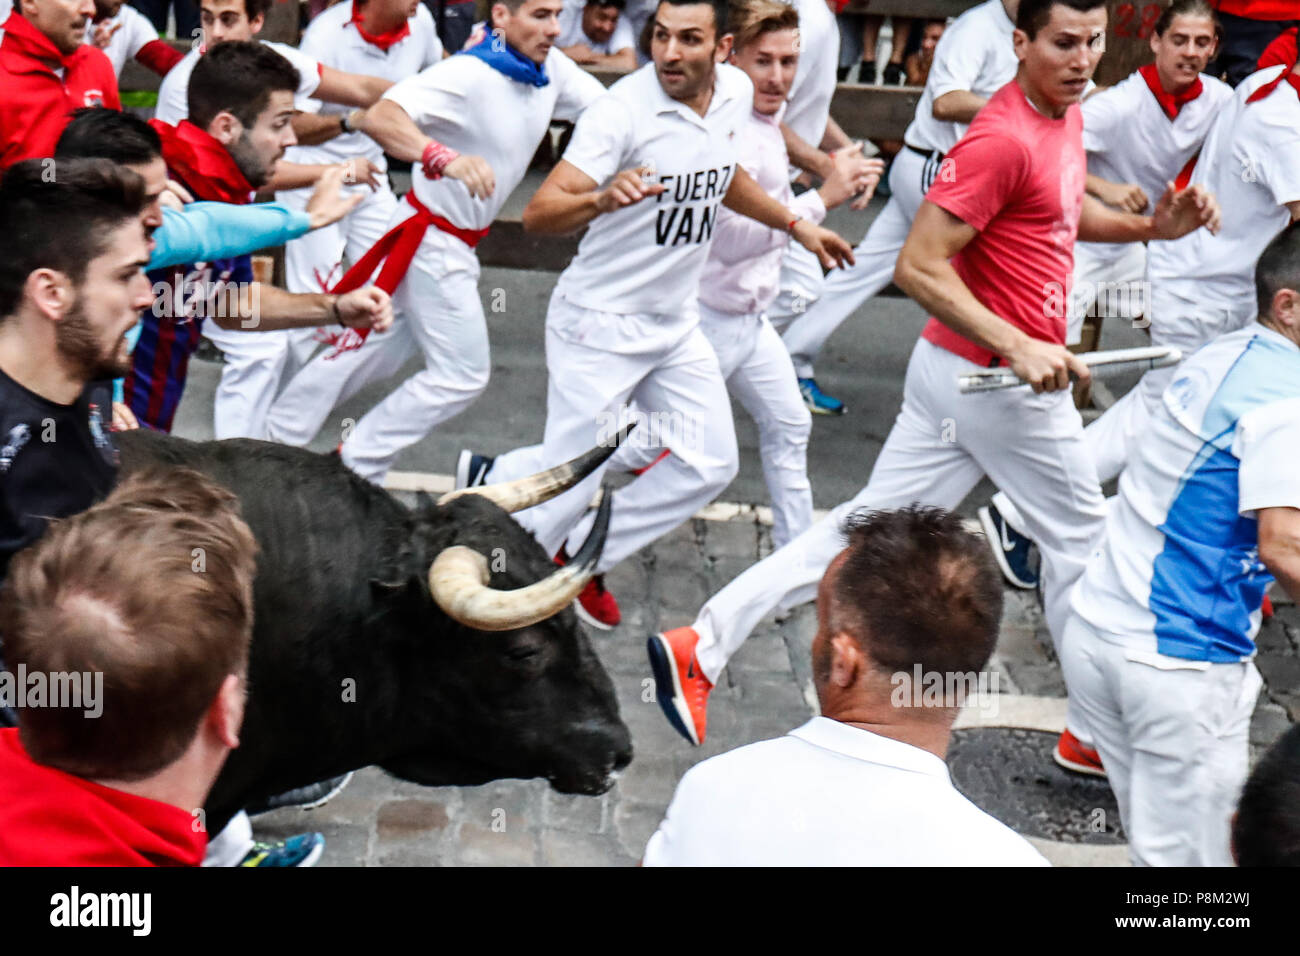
{"type": "Point", "coordinates": [1072, 755]}
{"type": "Point", "coordinates": [595, 605]}
{"type": "Point", "coordinates": [680, 684]}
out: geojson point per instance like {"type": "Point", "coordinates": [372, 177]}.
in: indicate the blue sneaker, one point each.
{"type": "Point", "coordinates": [472, 469]}
{"type": "Point", "coordinates": [818, 402]}
{"type": "Point", "coordinates": [1010, 548]}
{"type": "Point", "coordinates": [301, 850]}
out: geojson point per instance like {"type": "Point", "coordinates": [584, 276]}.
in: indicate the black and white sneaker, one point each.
{"type": "Point", "coordinates": [1010, 548]}
{"type": "Point", "coordinates": [308, 798]}
{"type": "Point", "coordinates": [472, 469]}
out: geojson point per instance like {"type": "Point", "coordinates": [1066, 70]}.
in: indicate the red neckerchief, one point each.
{"type": "Point", "coordinates": [201, 163]}
{"type": "Point", "coordinates": [1171, 103]}
{"type": "Point", "coordinates": [23, 44]}
{"type": "Point", "coordinates": [1287, 76]}
{"type": "Point", "coordinates": [381, 40]}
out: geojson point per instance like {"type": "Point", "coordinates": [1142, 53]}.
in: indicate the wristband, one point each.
{"type": "Point", "coordinates": [435, 159]}
{"type": "Point", "coordinates": [792, 223]}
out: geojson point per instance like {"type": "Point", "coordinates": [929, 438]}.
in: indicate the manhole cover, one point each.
{"type": "Point", "coordinates": [1009, 773]}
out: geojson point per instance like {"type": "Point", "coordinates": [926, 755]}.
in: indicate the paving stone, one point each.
{"type": "Point", "coordinates": [516, 802]}
{"type": "Point", "coordinates": [634, 823]}
{"type": "Point", "coordinates": [482, 846]}
{"type": "Point", "coordinates": [410, 820]}
{"type": "Point", "coordinates": [650, 780]}
{"type": "Point", "coordinates": [572, 812]}
{"type": "Point", "coordinates": [560, 848]}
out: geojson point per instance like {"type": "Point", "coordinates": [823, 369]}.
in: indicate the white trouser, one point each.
{"type": "Point", "coordinates": [1182, 317]}
{"type": "Point", "coordinates": [844, 290]}
{"type": "Point", "coordinates": [597, 365]}
{"type": "Point", "coordinates": [940, 445]}
{"type": "Point", "coordinates": [250, 375]}
{"type": "Point", "coordinates": [758, 373]}
{"type": "Point", "coordinates": [328, 379]}
{"type": "Point", "coordinates": [1173, 736]}
{"type": "Point", "coordinates": [1113, 285]}
{"type": "Point", "coordinates": [798, 286]}
{"type": "Point", "coordinates": [232, 844]}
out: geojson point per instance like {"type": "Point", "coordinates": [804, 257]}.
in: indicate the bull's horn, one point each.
{"type": "Point", "coordinates": [458, 581]}
{"type": "Point", "coordinates": [523, 493]}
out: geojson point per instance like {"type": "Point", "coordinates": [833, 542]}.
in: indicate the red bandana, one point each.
{"type": "Point", "coordinates": [24, 40]}
{"type": "Point", "coordinates": [201, 163]}
{"type": "Point", "coordinates": [381, 40]}
{"type": "Point", "coordinates": [1171, 103]}
{"type": "Point", "coordinates": [1286, 76]}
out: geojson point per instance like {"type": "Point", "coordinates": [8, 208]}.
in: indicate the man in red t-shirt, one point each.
{"type": "Point", "coordinates": [47, 72]}
{"type": "Point", "coordinates": [1006, 207]}
{"type": "Point", "coordinates": [151, 659]}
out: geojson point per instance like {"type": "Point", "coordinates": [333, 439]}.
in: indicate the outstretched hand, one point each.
{"type": "Point", "coordinates": [832, 251]}
{"type": "Point", "coordinates": [1180, 212]}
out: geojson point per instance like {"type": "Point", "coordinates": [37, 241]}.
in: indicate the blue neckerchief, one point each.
{"type": "Point", "coordinates": [504, 58]}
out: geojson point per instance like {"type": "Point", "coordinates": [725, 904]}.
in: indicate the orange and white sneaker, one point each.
{"type": "Point", "coordinates": [680, 684]}
{"type": "Point", "coordinates": [1073, 755]}
{"type": "Point", "coordinates": [595, 605]}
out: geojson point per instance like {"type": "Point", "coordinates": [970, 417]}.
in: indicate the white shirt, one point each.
{"type": "Point", "coordinates": [1249, 162]}
{"type": "Point", "coordinates": [333, 40]}
{"type": "Point", "coordinates": [809, 103]}
{"type": "Point", "coordinates": [133, 31]}
{"type": "Point", "coordinates": [647, 258]}
{"type": "Point", "coordinates": [1178, 573]}
{"type": "Point", "coordinates": [173, 94]}
{"type": "Point", "coordinates": [828, 794]}
{"type": "Point", "coordinates": [975, 54]}
{"type": "Point", "coordinates": [478, 110]}
{"type": "Point", "coordinates": [571, 30]}
{"type": "Point", "coordinates": [742, 273]}
{"type": "Point", "coordinates": [1130, 139]}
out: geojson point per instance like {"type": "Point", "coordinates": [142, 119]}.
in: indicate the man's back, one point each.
{"type": "Point", "coordinates": [829, 794]}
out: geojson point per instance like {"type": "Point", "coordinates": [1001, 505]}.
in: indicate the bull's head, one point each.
{"type": "Point", "coordinates": [525, 695]}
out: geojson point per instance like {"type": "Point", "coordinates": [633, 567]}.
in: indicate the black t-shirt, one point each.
{"type": "Point", "coordinates": [55, 460]}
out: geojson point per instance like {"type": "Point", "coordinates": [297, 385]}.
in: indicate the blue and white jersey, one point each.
{"type": "Point", "coordinates": [1178, 571]}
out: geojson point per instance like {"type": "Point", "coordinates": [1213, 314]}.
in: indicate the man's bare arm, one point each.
{"type": "Point", "coordinates": [260, 307]}
{"type": "Point", "coordinates": [392, 128]}
{"type": "Point", "coordinates": [1279, 546]}
{"type": "Point", "coordinates": [746, 197]}
{"type": "Point", "coordinates": [569, 199]}
{"type": "Point", "coordinates": [803, 155]}
{"type": "Point", "coordinates": [957, 106]}
{"type": "Point", "coordinates": [925, 273]}
{"type": "Point", "coordinates": [350, 89]}
{"type": "Point", "coordinates": [834, 137]}
{"type": "Point", "coordinates": [1176, 214]}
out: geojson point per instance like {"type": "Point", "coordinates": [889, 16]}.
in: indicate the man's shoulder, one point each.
{"type": "Point", "coordinates": [91, 61]}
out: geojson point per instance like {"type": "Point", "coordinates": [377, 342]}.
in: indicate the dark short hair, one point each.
{"type": "Point", "coordinates": [115, 590]}
{"type": "Point", "coordinates": [1186, 8]}
{"type": "Point", "coordinates": [719, 11]}
{"type": "Point", "coordinates": [1278, 268]}
{"type": "Point", "coordinates": [1033, 15]}
{"type": "Point", "coordinates": [256, 8]}
{"type": "Point", "coordinates": [1266, 831]}
{"type": "Point", "coordinates": [97, 132]}
{"type": "Point", "coordinates": [916, 587]}
{"type": "Point", "coordinates": [238, 77]}
{"type": "Point", "coordinates": [619, 4]}
{"type": "Point", "coordinates": [58, 214]}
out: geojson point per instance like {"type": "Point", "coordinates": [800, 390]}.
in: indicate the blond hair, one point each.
{"type": "Point", "coordinates": [750, 19]}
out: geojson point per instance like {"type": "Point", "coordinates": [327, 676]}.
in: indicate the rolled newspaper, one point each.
{"type": "Point", "coordinates": [1104, 364]}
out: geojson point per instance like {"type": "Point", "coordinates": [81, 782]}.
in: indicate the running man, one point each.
{"type": "Point", "coordinates": [1140, 135]}
{"type": "Point", "coordinates": [1006, 215]}
{"type": "Point", "coordinates": [1158, 649]}
{"type": "Point", "coordinates": [515, 72]}
{"type": "Point", "coordinates": [648, 167]}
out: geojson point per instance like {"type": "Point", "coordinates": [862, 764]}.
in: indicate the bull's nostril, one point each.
{"type": "Point", "coordinates": [622, 759]}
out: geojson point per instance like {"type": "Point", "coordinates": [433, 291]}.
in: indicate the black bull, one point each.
{"type": "Point", "coordinates": [353, 664]}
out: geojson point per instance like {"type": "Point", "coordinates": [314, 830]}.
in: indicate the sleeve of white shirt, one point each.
{"type": "Point", "coordinates": [433, 50]}
{"type": "Point", "coordinates": [601, 139]}
{"type": "Point", "coordinates": [622, 38]}
{"type": "Point", "coordinates": [173, 99]}
{"type": "Point", "coordinates": [433, 96]}
{"type": "Point", "coordinates": [578, 88]}
{"type": "Point", "coordinates": [1265, 443]}
{"type": "Point", "coordinates": [957, 61]}
{"type": "Point", "coordinates": [671, 844]}
{"type": "Point", "coordinates": [308, 68]}
{"type": "Point", "coordinates": [1101, 113]}
{"type": "Point", "coordinates": [138, 29]}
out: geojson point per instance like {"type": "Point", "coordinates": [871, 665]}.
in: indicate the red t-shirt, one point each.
{"type": "Point", "coordinates": [1259, 9]}
{"type": "Point", "coordinates": [1017, 177]}
{"type": "Point", "coordinates": [51, 818]}
{"type": "Point", "coordinates": [1281, 52]}
{"type": "Point", "coordinates": [35, 104]}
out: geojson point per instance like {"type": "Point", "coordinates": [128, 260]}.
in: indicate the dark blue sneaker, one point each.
{"type": "Point", "coordinates": [1010, 548]}
{"type": "Point", "coordinates": [818, 402]}
{"type": "Point", "coordinates": [301, 850]}
{"type": "Point", "coordinates": [472, 469]}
